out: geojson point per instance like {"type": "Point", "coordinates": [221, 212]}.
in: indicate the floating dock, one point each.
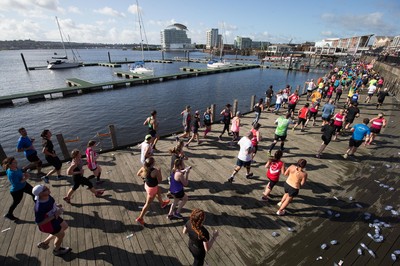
{"type": "Point", "coordinates": [78, 86]}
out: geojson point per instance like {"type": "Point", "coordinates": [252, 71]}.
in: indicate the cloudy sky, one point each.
{"type": "Point", "coordinates": [104, 21]}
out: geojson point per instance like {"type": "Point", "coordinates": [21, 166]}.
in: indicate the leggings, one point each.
{"type": "Point", "coordinates": [198, 256]}
{"type": "Point", "coordinates": [226, 127]}
{"type": "Point", "coordinates": [17, 197]}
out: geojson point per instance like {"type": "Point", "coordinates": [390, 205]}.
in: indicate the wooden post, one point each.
{"type": "Point", "coordinates": [63, 147]}
{"type": "Point", "coordinates": [23, 60]}
{"type": "Point", "coordinates": [235, 107]}
{"type": "Point", "coordinates": [252, 102]}
{"type": "Point", "coordinates": [2, 154]}
{"type": "Point", "coordinates": [113, 136]}
{"type": "Point", "coordinates": [109, 57]}
{"type": "Point", "coordinates": [213, 112]}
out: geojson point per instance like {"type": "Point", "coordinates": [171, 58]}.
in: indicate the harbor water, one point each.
{"type": "Point", "coordinates": [127, 108]}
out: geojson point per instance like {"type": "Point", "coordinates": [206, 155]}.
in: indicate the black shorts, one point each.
{"type": "Point", "coordinates": [375, 130]}
{"type": "Point", "coordinates": [324, 118]}
{"type": "Point", "coordinates": [326, 141]}
{"type": "Point", "coordinates": [291, 107]}
{"type": "Point", "coordinates": [195, 130]}
{"type": "Point", "coordinates": [33, 157]}
{"type": "Point", "coordinates": [179, 195]}
{"type": "Point", "coordinates": [153, 133]}
{"type": "Point", "coordinates": [337, 128]}
{"type": "Point", "coordinates": [282, 138]}
{"type": "Point", "coordinates": [255, 148]}
{"type": "Point", "coordinates": [241, 163]}
{"type": "Point", "coordinates": [355, 143]}
{"type": "Point", "coordinates": [349, 120]}
{"type": "Point", "coordinates": [186, 129]}
{"type": "Point", "coordinates": [302, 121]}
{"type": "Point", "coordinates": [312, 115]}
{"type": "Point", "coordinates": [80, 180]}
{"type": "Point", "coordinates": [54, 161]}
{"type": "Point", "coordinates": [293, 192]}
{"type": "Point", "coordinates": [271, 184]}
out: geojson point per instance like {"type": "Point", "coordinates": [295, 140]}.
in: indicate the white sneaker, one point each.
{"type": "Point", "coordinates": [345, 155]}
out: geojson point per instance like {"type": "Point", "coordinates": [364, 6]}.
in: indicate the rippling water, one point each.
{"type": "Point", "coordinates": [126, 108]}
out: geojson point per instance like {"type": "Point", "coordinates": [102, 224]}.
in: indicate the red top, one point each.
{"type": "Point", "coordinates": [293, 99]}
{"type": "Point", "coordinates": [274, 171]}
{"type": "Point", "coordinates": [303, 112]}
{"type": "Point", "coordinates": [254, 139]}
{"type": "Point", "coordinates": [338, 120]}
{"type": "Point", "coordinates": [377, 123]}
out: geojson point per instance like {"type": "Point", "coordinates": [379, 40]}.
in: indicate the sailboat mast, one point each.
{"type": "Point", "coordinates": [62, 39]}
{"type": "Point", "coordinates": [140, 28]}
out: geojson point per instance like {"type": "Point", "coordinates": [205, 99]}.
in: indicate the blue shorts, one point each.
{"type": "Point", "coordinates": [241, 163]}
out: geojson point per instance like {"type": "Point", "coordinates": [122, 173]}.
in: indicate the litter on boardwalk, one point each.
{"type": "Point", "coordinates": [275, 234]}
{"type": "Point", "coordinates": [324, 246]}
{"type": "Point", "coordinates": [350, 198]}
{"type": "Point", "coordinates": [333, 242]}
{"type": "Point", "coordinates": [4, 230]}
{"type": "Point", "coordinates": [129, 236]}
{"type": "Point", "coordinates": [291, 229]}
{"type": "Point", "coordinates": [319, 258]}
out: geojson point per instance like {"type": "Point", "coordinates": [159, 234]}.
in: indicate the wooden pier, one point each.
{"type": "Point", "coordinates": [103, 230]}
{"type": "Point", "coordinates": [80, 86]}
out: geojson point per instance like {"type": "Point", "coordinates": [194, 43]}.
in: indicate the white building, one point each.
{"type": "Point", "coordinates": [174, 38]}
{"type": "Point", "coordinates": [212, 39]}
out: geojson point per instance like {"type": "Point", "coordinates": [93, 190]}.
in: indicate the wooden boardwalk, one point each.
{"type": "Point", "coordinates": [98, 227]}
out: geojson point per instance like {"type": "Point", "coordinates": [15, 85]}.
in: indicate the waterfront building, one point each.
{"type": "Point", "coordinates": [279, 49]}
{"type": "Point", "coordinates": [213, 39]}
{"type": "Point", "coordinates": [394, 46]}
{"type": "Point", "coordinates": [260, 45]}
{"type": "Point", "coordinates": [342, 46]}
{"type": "Point", "coordinates": [174, 38]}
{"type": "Point", "coordinates": [242, 42]}
{"type": "Point", "coordinates": [382, 41]}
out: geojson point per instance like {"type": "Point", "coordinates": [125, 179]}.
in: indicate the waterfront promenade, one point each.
{"type": "Point", "coordinates": [98, 227]}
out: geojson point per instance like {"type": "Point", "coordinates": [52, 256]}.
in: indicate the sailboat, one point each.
{"type": "Point", "coordinates": [61, 62]}
{"type": "Point", "coordinates": [139, 67]}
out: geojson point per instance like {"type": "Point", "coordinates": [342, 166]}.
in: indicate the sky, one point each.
{"type": "Point", "coordinates": [278, 21]}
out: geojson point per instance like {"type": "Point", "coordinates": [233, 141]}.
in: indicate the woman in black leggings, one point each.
{"type": "Point", "coordinates": [19, 186]}
{"type": "Point", "coordinates": [226, 119]}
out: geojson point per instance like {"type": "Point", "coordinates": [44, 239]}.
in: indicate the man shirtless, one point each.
{"type": "Point", "coordinates": [297, 178]}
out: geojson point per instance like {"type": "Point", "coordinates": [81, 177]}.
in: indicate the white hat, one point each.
{"type": "Point", "coordinates": [37, 190]}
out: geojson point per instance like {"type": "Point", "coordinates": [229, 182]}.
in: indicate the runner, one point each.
{"type": "Point", "coordinates": [145, 148]}
{"type": "Point", "coordinates": [179, 180]}
{"type": "Point", "coordinates": [327, 111]}
{"type": "Point", "coordinates": [91, 159]}
{"type": "Point", "coordinates": [275, 167]}
{"type": "Point", "coordinates": [316, 95]}
{"type": "Point", "coordinates": [235, 128]}
{"type": "Point", "coordinates": [255, 140]}
{"type": "Point", "coordinates": [328, 131]}
{"type": "Point", "coordinates": [152, 124]}
{"type": "Point", "coordinates": [338, 119]}
{"type": "Point", "coordinates": [297, 177]}
{"type": "Point", "coordinates": [351, 113]}
{"type": "Point", "coordinates": [207, 121]}
{"type": "Point", "coordinates": [371, 92]}
{"type": "Point", "coordinates": [258, 108]}
{"type": "Point", "coordinates": [285, 95]}
{"type": "Point", "coordinates": [151, 177]}
{"type": "Point", "coordinates": [310, 87]}
{"type": "Point", "coordinates": [226, 119]}
{"type": "Point", "coordinates": [302, 117]}
{"type": "Point", "coordinates": [313, 111]}
{"type": "Point", "coordinates": [50, 155]}
{"type": "Point", "coordinates": [268, 97]}
{"type": "Point", "coordinates": [186, 123]}
{"type": "Point", "coordinates": [25, 144]}
{"type": "Point", "coordinates": [339, 91]}
{"type": "Point", "coordinates": [76, 171]}
{"type": "Point", "coordinates": [381, 97]}
{"type": "Point", "coordinates": [199, 238]}
{"type": "Point", "coordinates": [278, 102]}
{"type": "Point", "coordinates": [293, 100]}
{"type": "Point", "coordinates": [280, 132]}
{"type": "Point", "coordinates": [48, 219]}
{"type": "Point", "coordinates": [359, 132]}
{"type": "Point", "coordinates": [244, 156]}
{"type": "Point", "coordinates": [195, 129]}
{"type": "Point", "coordinates": [377, 123]}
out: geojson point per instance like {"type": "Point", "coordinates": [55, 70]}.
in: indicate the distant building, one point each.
{"type": "Point", "coordinates": [242, 42]}
{"type": "Point", "coordinates": [342, 46]}
{"type": "Point", "coordinates": [279, 49]}
{"type": "Point", "coordinates": [213, 39]}
{"type": "Point", "coordinates": [260, 45]}
{"type": "Point", "coordinates": [394, 46]}
{"type": "Point", "coordinates": [382, 41]}
{"type": "Point", "coordinates": [174, 38]}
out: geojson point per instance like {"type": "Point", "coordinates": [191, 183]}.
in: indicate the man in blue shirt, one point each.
{"type": "Point", "coordinates": [25, 144]}
{"type": "Point", "coordinates": [359, 132]}
{"type": "Point", "coordinates": [327, 112]}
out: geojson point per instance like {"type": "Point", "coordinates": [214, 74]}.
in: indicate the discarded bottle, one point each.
{"type": "Point", "coordinates": [371, 253]}
{"type": "Point", "coordinates": [359, 251]}
{"type": "Point", "coordinates": [275, 234]}
{"type": "Point", "coordinates": [324, 246]}
{"type": "Point", "coordinates": [333, 242]}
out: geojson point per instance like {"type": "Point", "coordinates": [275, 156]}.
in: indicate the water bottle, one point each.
{"type": "Point", "coordinates": [324, 246]}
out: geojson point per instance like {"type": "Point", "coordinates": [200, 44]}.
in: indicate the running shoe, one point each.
{"type": "Point", "coordinates": [345, 155]}
{"type": "Point", "coordinates": [165, 203]}
{"type": "Point", "coordinates": [170, 217]}
{"type": "Point", "coordinates": [248, 176]}
{"type": "Point", "coordinates": [45, 179]}
{"type": "Point", "coordinates": [269, 154]}
{"type": "Point", "coordinates": [177, 138]}
{"type": "Point", "coordinates": [279, 203]}
{"type": "Point", "coordinates": [264, 198]}
{"type": "Point", "coordinates": [280, 213]}
{"type": "Point", "coordinates": [99, 193]}
{"type": "Point", "coordinates": [59, 177]}
{"type": "Point", "coordinates": [230, 179]}
{"type": "Point", "coordinates": [140, 221]}
{"type": "Point", "coordinates": [10, 217]}
{"type": "Point", "coordinates": [61, 251]}
{"type": "Point", "coordinates": [41, 173]}
{"type": "Point", "coordinates": [178, 215]}
{"type": "Point", "coordinates": [317, 156]}
{"type": "Point", "coordinates": [99, 182]}
{"type": "Point", "coordinates": [67, 200]}
{"type": "Point", "coordinates": [42, 245]}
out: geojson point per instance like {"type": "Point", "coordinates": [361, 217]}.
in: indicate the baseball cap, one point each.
{"type": "Point", "coordinates": [147, 137]}
{"type": "Point", "coordinates": [37, 190]}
